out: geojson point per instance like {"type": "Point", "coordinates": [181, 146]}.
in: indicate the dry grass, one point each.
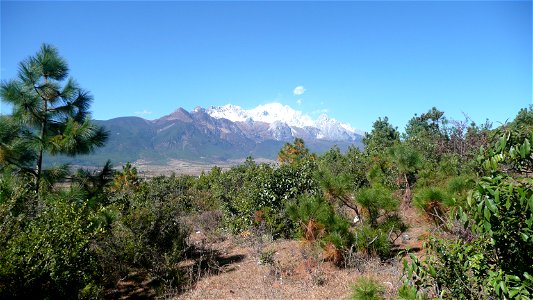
{"type": "Point", "coordinates": [296, 271]}
{"type": "Point", "coordinates": [252, 266]}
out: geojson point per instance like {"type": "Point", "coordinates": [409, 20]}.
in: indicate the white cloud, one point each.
{"type": "Point", "coordinates": [299, 101]}
{"type": "Point", "coordinates": [143, 113]}
{"type": "Point", "coordinates": [299, 90]}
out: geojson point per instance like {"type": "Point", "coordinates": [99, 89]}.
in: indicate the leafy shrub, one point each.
{"type": "Point", "coordinates": [250, 189]}
{"type": "Point", "coordinates": [148, 234]}
{"type": "Point", "coordinates": [17, 203]}
{"type": "Point", "coordinates": [283, 187]}
{"type": "Point", "coordinates": [496, 260]}
{"type": "Point", "coordinates": [52, 257]}
{"type": "Point", "coordinates": [343, 172]}
{"type": "Point", "coordinates": [164, 189]}
{"type": "Point", "coordinates": [237, 191]}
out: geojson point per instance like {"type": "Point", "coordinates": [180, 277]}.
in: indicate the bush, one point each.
{"type": "Point", "coordinates": [52, 258]}
{"type": "Point", "coordinates": [318, 223]}
{"type": "Point", "coordinates": [433, 202]}
{"type": "Point", "coordinates": [367, 289]}
{"type": "Point", "coordinates": [458, 187]}
{"type": "Point", "coordinates": [495, 260]}
{"type": "Point", "coordinates": [146, 234]}
{"type": "Point", "coordinates": [251, 190]}
{"type": "Point", "coordinates": [237, 190]}
{"type": "Point", "coordinates": [373, 241]}
{"type": "Point", "coordinates": [382, 226]}
{"type": "Point", "coordinates": [377, 201]}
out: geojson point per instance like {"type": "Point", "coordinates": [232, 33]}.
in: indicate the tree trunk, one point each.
{"type": "Point", "coordinates": [346, 201]}
{"type": "Point", "coordinates": [39, 167]}
{"type": "Point", "coordinates": [407, 194]}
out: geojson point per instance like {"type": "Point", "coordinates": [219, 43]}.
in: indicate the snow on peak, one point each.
{"type": "Point", "coordinates": [231, 112]}
{"type": "Point", "coordinates": [268, 113]}
{"type": "Point", "coordinates": [277, 114]}
{"type": "Point", "coordinates": [198, 109]}
{"type": "Point", "coordinates": [272, 112]}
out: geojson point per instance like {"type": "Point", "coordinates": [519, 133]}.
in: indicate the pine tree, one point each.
{"type": "Point", "coordinates": [55, 115]}
{"type": "Point", "coordinates": [295, 152]}
{"type": "Point", "coordinates": [382, 136]}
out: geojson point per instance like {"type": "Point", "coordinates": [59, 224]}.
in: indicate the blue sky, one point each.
{"type": "Point", "coordinates": [356, 60]}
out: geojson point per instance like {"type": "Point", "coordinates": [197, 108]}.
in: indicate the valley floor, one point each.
{"type": "Point", "coordinates": [183, 167]}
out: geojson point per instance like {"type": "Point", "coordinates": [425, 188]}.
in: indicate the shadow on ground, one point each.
{"type": "Point", "coordinates": [201, 262]}
{"type": "Point", "coordinates": [198, 263]}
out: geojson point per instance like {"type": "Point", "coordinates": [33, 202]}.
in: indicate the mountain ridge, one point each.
{"type": "Point", "coordinates": [279, 114]}
{"type": "Point", "coordinates": [208, 135]}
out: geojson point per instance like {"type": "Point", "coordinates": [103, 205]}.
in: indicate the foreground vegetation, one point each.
{"type": "Point", "coordinates": [68, 234]}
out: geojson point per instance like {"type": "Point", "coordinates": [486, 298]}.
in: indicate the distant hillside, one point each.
{"type": "Point", "coordinates": [210, 135]}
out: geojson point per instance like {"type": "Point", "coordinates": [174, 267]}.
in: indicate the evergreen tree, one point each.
{"type": "Point", "coordinates": [54, 117]}
{"type": "Point", "coordinates": [409, 162]}
{"type": "Point", "coordinates": [14, 151]}
{"type": "Point", "coordinates": [427, 134]}
{"type": "Point", "coordinates": [383, 135]}
{"type": "Point", "coordinates": [295, 152]}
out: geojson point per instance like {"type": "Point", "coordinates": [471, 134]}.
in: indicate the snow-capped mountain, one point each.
{"type": "Point", "coordinates": [285, 122]}
{"type": "Point", "coordinates": [220, 133]}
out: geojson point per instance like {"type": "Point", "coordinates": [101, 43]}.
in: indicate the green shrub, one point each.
{"type": "Point", "coordinates": [318, 223]}
{"type": "Point", "coordinates": [494, 260]}
{"type": "Point", "coordinates": [367, 289]}
{"type": "Point", "coordinates": [149, 235]}
{"type": "Point", "coordinates": [407, 293]}
{"type": "Point", "coordinates": [458, 188]}
{"type": "Point", "coordinates": [52, 258]}
{"type": "Point", "coordinates": [320, 211]}
{"type": "Point", "coordinates": [461, 184]}
{"type": "Point", "coordinates": [382, 224]}
{"type": "Point", "coordinates": [373, 241]}
{"type": "Point", "coordinates": [162, 189]}
{"type": "Point", "coordinates": [343, 171]}
{"type": "Point", "coordinates": [250, 190]}
{"type": "Point", "coordinates": [378, 201]}
{"type": "Point", "coordinates": [432, 201]}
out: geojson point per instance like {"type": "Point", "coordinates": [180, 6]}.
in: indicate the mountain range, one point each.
{"type": "Point", "coordinates": [217, 133]}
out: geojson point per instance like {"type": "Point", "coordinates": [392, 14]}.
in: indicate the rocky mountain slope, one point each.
{"type": "Point", "coordinates": [217, 134]}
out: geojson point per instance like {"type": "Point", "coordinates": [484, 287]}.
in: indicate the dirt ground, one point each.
{"type": "Point", "coordinates": [252, 266]}
{"type": "Point", "coordinates": [248, 267]}
{"type": "Point", "coordinates": [293, 273]}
